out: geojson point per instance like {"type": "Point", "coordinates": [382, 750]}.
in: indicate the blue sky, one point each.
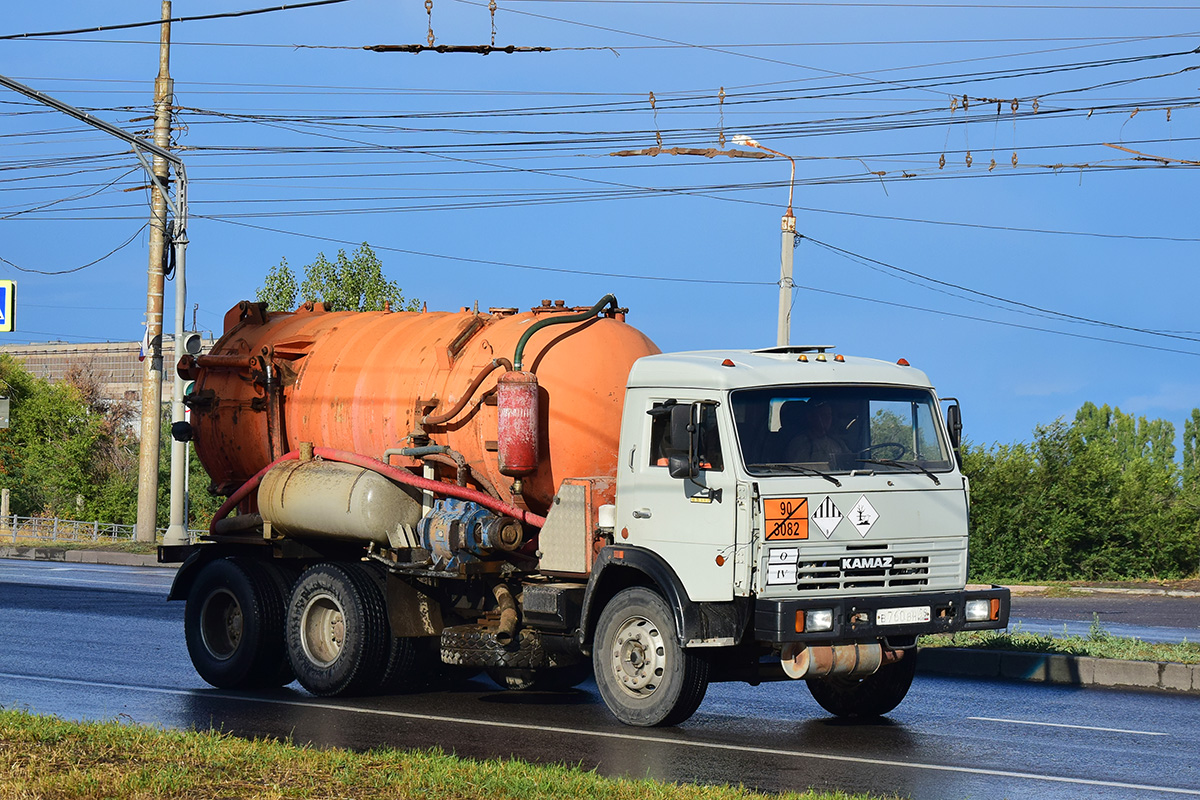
{"type": "Point", "coordinates": [1024, 291]}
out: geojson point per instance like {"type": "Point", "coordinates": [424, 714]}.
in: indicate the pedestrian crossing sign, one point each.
{"type": "Point", "coordinates": [8, 306]}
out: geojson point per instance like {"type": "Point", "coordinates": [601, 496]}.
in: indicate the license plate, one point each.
{"type": "Point", "coordinates": [902, 616]}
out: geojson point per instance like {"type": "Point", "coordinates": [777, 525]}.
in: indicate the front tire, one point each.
{"type": "Point", "coordinates": [645, 677]}
{"type": "Point", "coordinates": [337, 630]}
{"type": "Point", "coordinates": [872, 696]}
{"type": "Point", "coordinates": [234, 625]}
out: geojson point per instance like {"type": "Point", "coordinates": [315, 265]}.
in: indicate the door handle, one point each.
{"type": "Point", "coordinates": [642, 513]}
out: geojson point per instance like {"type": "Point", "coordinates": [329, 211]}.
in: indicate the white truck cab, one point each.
{"type": "Point", "coordinates": [807, 506]}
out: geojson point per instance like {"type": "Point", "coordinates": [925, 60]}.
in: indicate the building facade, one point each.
{"type": "Point", "coordinates": [115, 364]}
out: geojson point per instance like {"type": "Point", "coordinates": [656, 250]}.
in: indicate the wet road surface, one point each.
{"type": "Point", "coordinates": [1152, 618]}
{"type": "Point", "coordinates": [100, 643]}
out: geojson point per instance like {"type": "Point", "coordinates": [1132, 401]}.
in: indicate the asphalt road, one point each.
{"type": "Point", "coordinates": [1154, 618]}
{"type": "Point", "coordinates": [99, 642]}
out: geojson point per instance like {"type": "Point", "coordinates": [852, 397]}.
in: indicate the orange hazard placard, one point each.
{"type": "Point", "coordinates": [786, 518]}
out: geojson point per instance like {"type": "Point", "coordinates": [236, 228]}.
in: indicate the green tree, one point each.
{"type": "Point", "coordinates": [201, 504]}
{"type": "Point", "coordinates": [279, 289]}
{"type": "Point", "coordinates": [348, 283]}
{"type": "Point", "coordinates": [65, 447]}
{"type": "Point", "coordinates": [1100, 498]}
{"type": "Point", "coordinates": [1191, 455]}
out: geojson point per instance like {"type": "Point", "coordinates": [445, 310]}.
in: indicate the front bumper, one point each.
{"type": "Point", "coordinates": [855, 618]}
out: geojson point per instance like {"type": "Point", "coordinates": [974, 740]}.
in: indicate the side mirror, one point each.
{"type": "Point", "coordinates": [682, 460]}
{"type": "Point", "coordinates": [955, 426]}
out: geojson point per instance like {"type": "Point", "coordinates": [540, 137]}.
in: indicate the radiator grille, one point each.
{"type": "Point", "coordinates": [827, 574]}
{"type": "Point", "coordinates": [918, 566]}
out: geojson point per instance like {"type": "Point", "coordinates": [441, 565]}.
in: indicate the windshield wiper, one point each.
{"type": "Point", "coordinates": [911, 466]}
{"type": "Point", "coordinates": [800, 468]}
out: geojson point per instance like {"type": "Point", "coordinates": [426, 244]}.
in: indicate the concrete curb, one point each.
{"type": "Point", "coordinates": [1063, 670]}
{"type": "Point", "coordinates": [82, 556]}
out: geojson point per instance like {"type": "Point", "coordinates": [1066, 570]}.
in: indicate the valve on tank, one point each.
{"type": "Point", "coordinates": [458, 531]}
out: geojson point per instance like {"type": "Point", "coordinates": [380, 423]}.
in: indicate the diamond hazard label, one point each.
{"type": "Point", "coordinates": [827, 517]}
{"type": "Point", "coordinates": [863, 515]}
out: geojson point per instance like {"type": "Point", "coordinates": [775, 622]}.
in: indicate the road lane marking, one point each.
{"type": "Point", "coordinates": [1064, 725]}
{"type": "Point", "coordinates": [630, 737]}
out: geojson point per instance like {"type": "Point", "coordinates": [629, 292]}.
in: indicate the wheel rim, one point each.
{"type": "Point", "coordinates": [221, 624]}
{"type": "Point", "coordinates": [323, 630]}
{"type": "Point", "coordinates": [638, 657]}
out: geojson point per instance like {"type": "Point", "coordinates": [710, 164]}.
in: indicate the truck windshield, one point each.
{"type": "Point", "coordinates": [838, 429]}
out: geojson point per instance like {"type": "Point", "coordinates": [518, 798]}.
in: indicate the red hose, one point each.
{"type": "Point", "coordinates": [394, 473]}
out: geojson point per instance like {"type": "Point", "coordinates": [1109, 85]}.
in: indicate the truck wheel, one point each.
{"type": "Point", "coordinates": [282, 577]}
{"type": "Point", "coordinates": [337, 630]}
{"type": "Point", "coordinates": [412, 663]}
{"type": "Point", "coordinates": [645, 677]}
{"type": "Point", "coordinates": [872, 696]}
{"type": "Point", "coordinates": [234, 625]}
{"type": "Point", "coordinates": [545, 679]}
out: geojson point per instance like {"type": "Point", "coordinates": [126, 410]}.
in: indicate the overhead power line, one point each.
{"type": "Point", "coordinates": [112, 252]}
{"type": "Point", "coordinates": [806, 3]}
{"type": "Point", "coordinates": [975, 318]}
{"type": "Point", "coordinates": [671, 279]}
{"type": "Point", "coordinates": [492, 263]}
{"type": "Point", "coordinates": [194, 18]}
{"type": "Point", "coordinates": [1017, 304]}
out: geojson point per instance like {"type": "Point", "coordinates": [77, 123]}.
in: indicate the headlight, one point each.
{"type": "Point", "coordinates": [979, 610]}
{"type": "Point", "coordinates": [819, 620]}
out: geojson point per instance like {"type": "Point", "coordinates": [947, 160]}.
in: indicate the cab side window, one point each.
{"type": "Point", "coordinates": [710, 438]}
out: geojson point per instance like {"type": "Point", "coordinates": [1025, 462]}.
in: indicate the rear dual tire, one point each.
{"type": "Point", "coordinates": [234, 624]}
{"type": "Point", "coordinates": [337, 631]}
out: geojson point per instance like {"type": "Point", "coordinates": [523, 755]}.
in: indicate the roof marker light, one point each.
{"type": "Point", "coordinates": [839, 358]}
{"type": "Point", "coordinates": [903, 362]}
{"type": "Point", "coordinates": [727, 363]}
{"type": "Point", "coordinates": [803, 359]}
{"type": "Point", "coordinates": [821, 357]}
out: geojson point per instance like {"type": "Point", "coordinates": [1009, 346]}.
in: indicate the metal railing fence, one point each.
{"type": "Point", "coordinates": [52, 529]}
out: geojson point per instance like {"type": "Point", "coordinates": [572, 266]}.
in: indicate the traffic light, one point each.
{"type": "Point", "coordinates": [193, 343]}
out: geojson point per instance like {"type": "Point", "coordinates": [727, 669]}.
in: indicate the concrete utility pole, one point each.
{"type": "Point", "coordinates": [787, 248]}
{"type": "Point", "coordinates": [152, 375]}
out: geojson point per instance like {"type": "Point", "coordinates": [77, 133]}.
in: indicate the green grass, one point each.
{"type": "Point", "coordinates": [107, 545]}
{"type": "Point", "coordinates": [1098, 643]}
{"type": "Point", "coordinates": [46, 757]}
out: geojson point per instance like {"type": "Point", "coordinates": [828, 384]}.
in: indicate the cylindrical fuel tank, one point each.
{"type": "Point", "coordinates": [363, 381]}
{"type": "Point", "coordinates": [340, 501]}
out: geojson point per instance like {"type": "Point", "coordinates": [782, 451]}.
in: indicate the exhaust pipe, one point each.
{"type": "Point", "coordinates": [849, 660]}
{"type": "Point", "coordinates": [508, 613]}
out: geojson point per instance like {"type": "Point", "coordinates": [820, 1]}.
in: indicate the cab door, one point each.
{"type": "Point", "coordinates": [689, 521]}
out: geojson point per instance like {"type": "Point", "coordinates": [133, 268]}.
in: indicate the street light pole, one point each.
{"type": "Point", "coordinates": [787, 249]}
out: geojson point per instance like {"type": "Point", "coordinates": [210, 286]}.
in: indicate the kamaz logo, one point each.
{"type": "Point", "coordinates": [867, 562]}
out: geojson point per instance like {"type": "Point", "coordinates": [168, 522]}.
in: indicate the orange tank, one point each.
{"type": "Point", "coordinates": [363, 382]}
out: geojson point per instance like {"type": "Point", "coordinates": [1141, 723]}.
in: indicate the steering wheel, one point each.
{"type": "Point", "coordinates": [899, 448]}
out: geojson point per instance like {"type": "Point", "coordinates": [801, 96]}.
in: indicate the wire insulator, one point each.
{"type": "Point", "coordinates": [721, 113]}
{"type": "Point", "coordinates": [654, 108]}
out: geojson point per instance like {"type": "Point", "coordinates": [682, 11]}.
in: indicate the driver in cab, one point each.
{"type": "Point", "coordinates": [817, 442]}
